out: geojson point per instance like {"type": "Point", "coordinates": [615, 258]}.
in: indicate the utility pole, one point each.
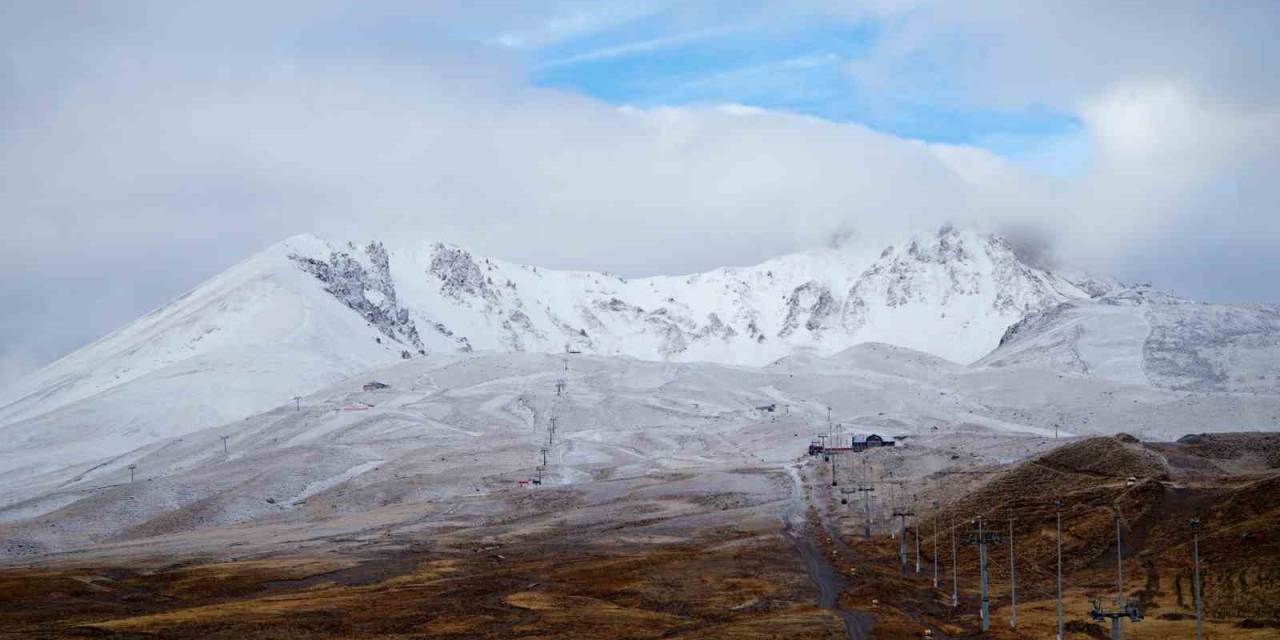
{"type": "Point", "coordinates": [917, 545]}
{"type": "Point", "coordinates": [1195, 545]}
{"type": "Point", "coordinates": [902, 538]}
{"type": "Point", "coordinates": [1057, 507]}
{"type": "Point", "coordinates": [542, 468]}
{"type": "Point", "coordinates": [982, 539]}
{"type": "Point", "coordinates": [913, 506]}
{"type": "Point", "coordinates": [224, 444]}
{"type": "Point", "coordinates": [829, 424]}
{"type": "Point", "coordinates": [866, 503]}
{"type": "Point", "coordinates": [1123, 609]}
{"type": "Point", "coordinates": [955, 576]}
{"type": "Point", "coordinates": [1013, 578]}
{"type": "Point", "coordinates": [131, 468]}
{"type": "Point", "coordinates": [982, 567]}
{"type": "Point", "coordinates": [1119, 560]}
{"type": "Point", "coordinates": [833, 470]}
{"type": "Point", "coordinates": [892, 503]}
{"type": "Point", "coordinates": [935, 544]}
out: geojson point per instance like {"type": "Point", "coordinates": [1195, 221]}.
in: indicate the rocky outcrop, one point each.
{"type": "Point", "coordinates": [811, 303]}
{"type": "Point", "coordinates": [952, 293]}
{"type": "Point", "coordinates": [368, 290]}
{"type": "Point", "coordinates": [460, 276]}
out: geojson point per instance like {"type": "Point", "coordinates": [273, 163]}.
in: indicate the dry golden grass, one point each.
{"type": "Point", "coordinates": [1039, 619]}
{"type": "Point", "coordinates": [736, 587]}
{"type": "Point", "coordinates": [747, 591]}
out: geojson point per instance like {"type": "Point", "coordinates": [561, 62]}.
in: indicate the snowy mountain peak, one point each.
{"type": "Point", "coordinates": [307, 312]}
{"type": "Point", "coordinates": [951, 293]}
{"type": "Point", "coordinates": [906, 295]}
{"type": "Point", "coordinates": [362, 281]}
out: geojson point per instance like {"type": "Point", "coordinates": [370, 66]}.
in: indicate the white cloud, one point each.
{"type": "Point", "coordinates": [642, 46]}
{"type": "Point", "coordinates": [1174, 164]}
{"type": "Point", "coordinates": [118, 172]}
{"type": "Point", "coordinates": [1179, 100]}
{"type": "Point", "coordinates": [123, 140]}
{"type": "Point", "coordinates": [576, 19]}
{"type": "Point", "coordinates": [431, 153]}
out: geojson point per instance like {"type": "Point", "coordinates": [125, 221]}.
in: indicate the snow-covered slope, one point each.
{"type": "Point", "coordinates": [245, 341]}
{"type": "Point", "coordinates": [307, 312]}
{"type": "Point", "coordinates": [1142, 336]}
{"type": "Point", "coordinates": [454, 426]}
{"type": "Point", "coordinates": [952, 293]}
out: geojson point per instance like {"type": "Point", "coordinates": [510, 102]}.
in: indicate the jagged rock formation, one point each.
{"type": "Point", "coordinates": [341, 307]}
{"type": "Point", "coordinates": [370, 291]}
{"type": "Point", "coordinates": [307, 312]}
{"type": "Point", "coordinates": [460, 277]}
{"type": "Point", "coordinates": [951, 293]}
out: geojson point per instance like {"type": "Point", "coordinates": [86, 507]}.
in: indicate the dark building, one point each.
{"type": "Point", "coordinates": [862, 443]}
{"type": "Point", "coordinates": [856, 443]}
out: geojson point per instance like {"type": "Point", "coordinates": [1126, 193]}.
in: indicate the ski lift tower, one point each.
{"type": "Point", "coordinates": [1125, 608]}
{"type": "Point", "coordinates": [902, 537]}
{"type": "Point", "coordinates": [1129, 611]}
{"type": "Point", "coordinates": [983, 538]}
{"type": "Point", "coordinates": [541, 468]}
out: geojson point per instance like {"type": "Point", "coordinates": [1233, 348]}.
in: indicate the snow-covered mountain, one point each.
{"type": "Point", "coordinates": [246, 340]}
{"type": "Point", "coordinates": [952, 294]}
{"type": "Point", "coordinates": [307, 312]}
{"type": "Point", "coordinates": [1144, 336]}
{"type": "Point", "coordinates": [677, 371]}
{"type": "Point", "coordinates": [448, 429]}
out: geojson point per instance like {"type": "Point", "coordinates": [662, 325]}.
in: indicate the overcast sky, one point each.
{"type": "Point", "coordinates": [145, 146]}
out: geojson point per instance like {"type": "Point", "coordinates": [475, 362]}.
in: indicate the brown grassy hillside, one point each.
{"type": "Point", "coordinates": [1229, 481]}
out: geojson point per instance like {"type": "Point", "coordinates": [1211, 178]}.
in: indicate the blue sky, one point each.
{"type": "Point", "coordinates": [1137, 140]}
{"type": "Point", "coordinates": [802, 66]}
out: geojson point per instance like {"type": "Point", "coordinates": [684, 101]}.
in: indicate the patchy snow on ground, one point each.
{"type": "Point", "coordinates": [461, 427]}
{"type": "Point", "coordinates": [307, 312]}
{"type": "Point", "coordinates": [720, 377]}
{"type": "Point", "coordinates": [1143, 336]}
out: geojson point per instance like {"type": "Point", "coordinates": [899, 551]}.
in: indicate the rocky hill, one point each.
{"type": "Point", "coordinates": [307, 312]}
{"type": "Point", "coordinates": [1228, 481]}
{"type": "Point", "coordinates": [1143, 336]}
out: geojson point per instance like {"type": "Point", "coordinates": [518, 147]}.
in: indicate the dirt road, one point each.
{"type": "Point", "coordinates": [824, 575]}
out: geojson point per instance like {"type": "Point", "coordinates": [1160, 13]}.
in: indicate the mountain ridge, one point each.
{"type": "Point", "coordinates": [1140, 335]}
{"type": "Point", "coordinates": [436, 296]}
{"type": "Point", "coordinates": [307, 312]}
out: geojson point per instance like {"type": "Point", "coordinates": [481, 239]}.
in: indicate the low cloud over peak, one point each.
{"type": "Point", "coordinates": [152, 145]}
